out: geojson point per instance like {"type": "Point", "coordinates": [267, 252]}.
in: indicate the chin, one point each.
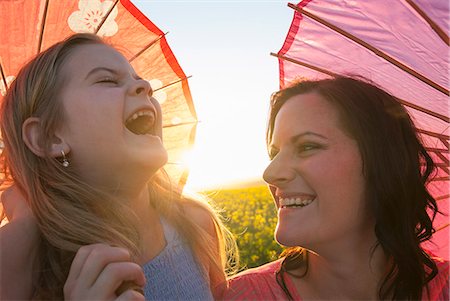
{"type": "Point", "coordinates": [156, 162]}
{"type": "Point", "coordinates": [282, 237]}
{"type": "Point", "coordinates": [286, 237]}
{"type": "Point", "coordinates": [162, 158]}
{"type": "Point", "coordinates": [156, 157]}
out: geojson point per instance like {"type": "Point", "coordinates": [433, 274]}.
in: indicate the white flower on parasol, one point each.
{"type": "Point", "coordinates": [90, 16]}
{"type": "Point", "coordinates": [160, 96]}
{"type": "Point", "coordinates": [9, 80]}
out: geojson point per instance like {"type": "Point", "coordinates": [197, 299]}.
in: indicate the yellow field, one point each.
{"type": "Point", "coordinates": [251, 216]}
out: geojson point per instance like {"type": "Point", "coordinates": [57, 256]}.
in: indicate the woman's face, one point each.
{"type": "Point", "coordinates": [112, 124]}
{"type": "Point", "coordinates": [315, 176]}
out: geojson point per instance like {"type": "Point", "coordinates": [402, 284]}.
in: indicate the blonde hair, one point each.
{"type": "Point", "coordinates": [71, 213]}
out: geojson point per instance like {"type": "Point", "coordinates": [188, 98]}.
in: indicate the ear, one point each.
{"type": "Point", "coordinates": [31, 133]}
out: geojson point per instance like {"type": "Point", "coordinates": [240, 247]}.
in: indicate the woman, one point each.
{"type": "Point", "coordinates": [83, 146]}
{"type": "Point", "coordinates": [347, 181]}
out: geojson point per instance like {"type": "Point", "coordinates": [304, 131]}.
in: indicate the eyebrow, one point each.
{"type": "Point", "coordinates": [98, 69]}
{"type": "Point", "coordinates": [299, 136]}
{"type": "Point", "coordinates": [294, 139]}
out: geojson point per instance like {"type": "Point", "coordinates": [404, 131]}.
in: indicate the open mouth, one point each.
{"type": "Point", "coordinates": [141, 123]}
{"type": "Point", "coordinates": [294, 202]}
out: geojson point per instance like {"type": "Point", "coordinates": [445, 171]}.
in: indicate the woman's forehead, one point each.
{"type": "Point", "coordinates": [308, 107]}
{"type": "Point", "coordinates": [305, 113]}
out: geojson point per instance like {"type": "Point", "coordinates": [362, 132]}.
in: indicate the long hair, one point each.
{"type": "Point", "coordinates": [396, 168]}
{"type": "Point", "coordinates": [71, 213]}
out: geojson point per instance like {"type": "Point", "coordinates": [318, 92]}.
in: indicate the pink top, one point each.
{"type": "Point", "coordinates": [260, 284]}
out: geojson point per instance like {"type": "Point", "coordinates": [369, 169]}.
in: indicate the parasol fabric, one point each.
{"type": "Point", "coordinates": [403, 46]}
{"type": "Point", "coordinates": [28, 27]}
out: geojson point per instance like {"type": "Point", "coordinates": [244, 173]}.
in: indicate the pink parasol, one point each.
{"type": "Point", "coordinates": [28, 27]}
{"type": "Point", "coordinates": [402, 46]}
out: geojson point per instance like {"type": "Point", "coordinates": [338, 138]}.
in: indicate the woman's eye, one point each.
{"type": "Point", "coordinates": [307, 147]}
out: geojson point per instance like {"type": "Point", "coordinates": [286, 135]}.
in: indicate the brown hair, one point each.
{"type": "Point", "coordinates": [392, 154]}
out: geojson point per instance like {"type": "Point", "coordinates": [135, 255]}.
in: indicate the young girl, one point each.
{"type": "Point", "coordinates": [348, 174]}
{"type": "Point", "coordinates": [91, 214]}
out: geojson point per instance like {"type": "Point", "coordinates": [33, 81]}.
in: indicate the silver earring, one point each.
{"type": "Point", "coordinates": [65, 162]}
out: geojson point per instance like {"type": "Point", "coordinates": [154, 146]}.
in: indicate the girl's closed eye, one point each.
{"type": "Point", "coordinates": [108, 80]}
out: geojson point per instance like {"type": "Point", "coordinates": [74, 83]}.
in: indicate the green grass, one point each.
{"type": "Point", "coordinates": [251, 216]}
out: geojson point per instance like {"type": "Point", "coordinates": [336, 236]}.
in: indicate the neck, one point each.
{"type": "Point", "coordinates": [132, 191]}
{"type": "Point", "coordinates": [348, 273]}
{"type": "Point", "coordinates": [149, 227]}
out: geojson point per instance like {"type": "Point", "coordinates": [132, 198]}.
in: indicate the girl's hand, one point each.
{"type": "Point", "coordinates": [99, 270]}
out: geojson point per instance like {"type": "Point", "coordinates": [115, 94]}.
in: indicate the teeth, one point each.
{"type": "Point", "coordinates": [138, 114]}
{"type": "Point", "coordinates": [284, 202]}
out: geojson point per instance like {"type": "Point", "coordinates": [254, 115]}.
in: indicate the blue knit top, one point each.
{"type": "Point", "coordinates": [174, 274]}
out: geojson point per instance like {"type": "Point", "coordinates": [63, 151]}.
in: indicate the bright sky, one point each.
{"type": "Point", "coordinates": [225, 46]}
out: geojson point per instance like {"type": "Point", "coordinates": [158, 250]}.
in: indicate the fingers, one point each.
{"type": "Point", "coordinates": [98, 270]}
{"type": "Point", "coordinates": [114, 274]}
{"type": "Point", "coordinates": [90, 260]}
{"type": "Point", "coordinates": [129, 285]}
{"type": "Point", "coordinates": [131, 295]}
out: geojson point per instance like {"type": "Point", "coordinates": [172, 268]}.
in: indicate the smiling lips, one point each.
{"type": "Point", "coordinates": [293, 202]}
{"type": "Point", "coordinates": [141, 122]}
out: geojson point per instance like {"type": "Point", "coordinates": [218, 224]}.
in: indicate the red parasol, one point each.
{"type": "Point", "coordinates": [402, 46]}
{"type": "Point", "coordinates": [28, 27]}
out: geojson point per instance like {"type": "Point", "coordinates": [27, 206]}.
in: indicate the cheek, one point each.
{"type": "Point", "coordinates": [348, 184]}
{"type": "Point", "coordinates": [93, 116]}
{"type": "Point", "coordinates": [337, 176]}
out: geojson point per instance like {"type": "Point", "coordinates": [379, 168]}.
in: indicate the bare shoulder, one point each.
{"type": "Point", "coordinates": [202, 217]}
{"type": "Point", "coordinates": [19, 240]}
{"type": "Point", "coordinates": [17, 254]}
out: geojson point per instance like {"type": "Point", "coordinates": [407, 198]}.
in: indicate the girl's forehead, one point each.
{"type": "Point", "coordinates": [84, 58]}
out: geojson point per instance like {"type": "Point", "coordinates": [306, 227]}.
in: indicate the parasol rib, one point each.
{"type": "Point", "coordinates": [447, 178]}
{"type": "Point", "coordinates": [442, 227]}
{"type": "Point", "coordinates": [443, 167]}
{"type": "Point", "coordinates": [442, 157]}
{"type": "Point", "coordinates": [330, 73]}
{"type": "Point", "coordinates": [430, 22]}
{"type": "Point", "coordinates": [424, 110]}
{"type": "Point", "coordinates": [442, 197]}
{"type": "Point", "coordinates": [305, 64]}
{"type": "Point", "coordinates": [106, 17]}
{"type": "Point", "coordinates": [436, 150]}
{"type": "Point", "coordinates": [444, 138]}
{"type": "Point", "coordinates": [147, 47]}
{"type": "Point", "coordinates": [2, 74]}
{"type": "Point", "coordinates": [189, 103]}
{"type": "Point", "coordinates": [41, 32]}
{"type": "Point", "coordinates": [178, 124]}
{"type": "Point", "coordinates": [375, 50]}
{"type": "Point", "coordinates": [172, 83]}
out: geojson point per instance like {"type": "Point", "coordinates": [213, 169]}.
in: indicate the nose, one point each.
{"type": "Point", "coordinates": [140, 87]}
{"type": "Point", "coordinates": [278, 172]}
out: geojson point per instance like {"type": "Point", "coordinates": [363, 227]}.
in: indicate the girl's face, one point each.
{"type": "Point", "coordinates": [316, 176]}
{"type": "Point", "coordinates": [112, 124]}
